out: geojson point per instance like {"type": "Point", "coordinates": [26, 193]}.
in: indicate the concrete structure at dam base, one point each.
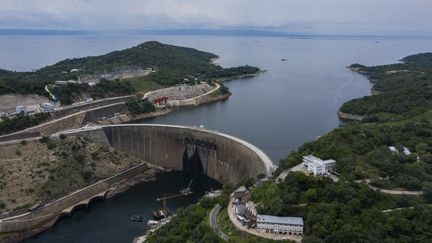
{"type": "Point", "coordinates": [222, 157]}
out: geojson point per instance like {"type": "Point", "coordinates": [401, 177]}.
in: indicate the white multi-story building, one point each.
{"type": "Point", "coordinates": [318, 166]}
{"type": "Point", "coordinates": [280, 225]}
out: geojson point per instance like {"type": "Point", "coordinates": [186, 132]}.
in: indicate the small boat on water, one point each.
{"type": "Point", "coordinates": [283, 59]}
{"type": "Point", "coordinates": [136, 218]}
{"type": "Point", "coordinates": [186, 191]}
{"type": "Point", "coordinates": [152, 222]}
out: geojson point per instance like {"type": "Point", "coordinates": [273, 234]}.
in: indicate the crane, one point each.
{"type": "Point", "coordinates": [167, 196]}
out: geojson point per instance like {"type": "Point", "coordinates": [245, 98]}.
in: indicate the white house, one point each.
{"type": "Point", "coordinates": [318, 166]}
{"type": "Point", "coordinates": [280, 225]}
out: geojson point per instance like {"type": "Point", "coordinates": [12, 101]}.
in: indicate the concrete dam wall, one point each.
{"type": "Point", "coordinates": [222, 157]}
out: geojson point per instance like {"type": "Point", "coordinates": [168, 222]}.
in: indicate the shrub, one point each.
{"type": "Point", "coordinates": [23, 142]}
{"type": "Point", "coordinates": [44, 139]}
{"type": "Point", "coordinates": [51, 144]}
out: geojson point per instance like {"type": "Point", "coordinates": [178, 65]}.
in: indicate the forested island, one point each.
{"type": "Point", "coordinates": [146, 66]}
{"type": "Point", "coordinates": [369, 153]}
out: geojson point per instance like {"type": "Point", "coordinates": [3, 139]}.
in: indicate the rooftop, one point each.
{"type": "Point", "coordinates": [311, 157]}
{"type": "Point", "coordinates": [279, 220]}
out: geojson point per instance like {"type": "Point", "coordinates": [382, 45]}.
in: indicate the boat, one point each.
{"type": "Point", "coordinates": [186, 191]}
{"type": "Point", "coordinates": [136, 218]}
{"type": "Point", "coordinates": [152, 222]}
{"type": "Point", "coordinates": [283, 59]}
{"type": "Point", "coordinates": [161, 214]}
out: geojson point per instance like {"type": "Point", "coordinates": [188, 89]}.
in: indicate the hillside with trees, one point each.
{"type": "Point", "coordinates": [403, 89]}
{"type": "Point", "coordinates": [398, 116]}
{"type": "Point", "coordinates": [172, 65]}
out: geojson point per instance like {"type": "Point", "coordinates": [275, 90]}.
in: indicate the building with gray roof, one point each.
{"type": "Point", "coordinates": [280, 225]}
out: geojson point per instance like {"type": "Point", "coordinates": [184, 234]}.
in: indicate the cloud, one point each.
{"type": "Point", "coordinates": [318, 16]}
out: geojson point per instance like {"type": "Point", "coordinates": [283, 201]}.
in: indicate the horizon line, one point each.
{"type": "Point", "coordinates": [196, 31]}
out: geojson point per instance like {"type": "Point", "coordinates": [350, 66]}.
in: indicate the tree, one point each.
{"type": "Point", "coordinates": [427, 189]}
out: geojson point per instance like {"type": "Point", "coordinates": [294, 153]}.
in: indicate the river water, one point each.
{"type": "Point", "coordinates": [295, 101]}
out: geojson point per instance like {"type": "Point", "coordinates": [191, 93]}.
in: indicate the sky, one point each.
{"type": "Point", "coordinates": [350, 17]}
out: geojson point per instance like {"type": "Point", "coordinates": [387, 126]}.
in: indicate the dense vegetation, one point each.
{"type": "Point", "coordinates": [139, 106]}
{"type": "Point", "coordinates": [404, 88]}
{"type": "Point", "coordinates": [345, 211]}
{"type": "Point", "coordinates": [67, 94]}
{"type": "Point", "coordinates": [172, 64]}
{"type": "Point", "coordinates": [21, 121]}
{"type": "Point", "coordinates": [188, 225]}
{"type": "Point", "coordinates": [362, 151]}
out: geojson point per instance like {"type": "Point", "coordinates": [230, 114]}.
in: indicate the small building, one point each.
{"type": "Point", "coordinates": [74, 70]}
{"type": "Point", "coordinates": [20, 109]}
{"type": "Point", "coordinates": [2, 114]}
{"type": "Point", "coordinates": [318, 166]}
{"type": "Point", "coordinates": [239, 209]}
{"type": "Point", "coordinates": [246, 214]}
{"type": "Point", "coordinates": [240, 192]}
{"type": "Point", "coordinates": [47, 107]}
{"type": "Point", "coordinates": [280, 225]}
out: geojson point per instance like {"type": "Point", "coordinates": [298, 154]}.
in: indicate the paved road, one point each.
{"type": "Point", "coordinates": [395, 192]}
{"type": "Point", "coordinates": [213, 223]}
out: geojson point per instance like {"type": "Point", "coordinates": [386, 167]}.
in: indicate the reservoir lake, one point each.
{"type": "Point", "coordinates": [294, 102]}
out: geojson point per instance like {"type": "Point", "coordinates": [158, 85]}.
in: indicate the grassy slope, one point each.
{"type": "Point", "coordinates": [39, 171]}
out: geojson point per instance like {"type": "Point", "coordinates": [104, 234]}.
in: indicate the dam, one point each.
{"type": "Point", "coordinates": [222, 157]}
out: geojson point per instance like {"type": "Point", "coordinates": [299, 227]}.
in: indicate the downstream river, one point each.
{"type": "Point", "coordinates": [295, 101]}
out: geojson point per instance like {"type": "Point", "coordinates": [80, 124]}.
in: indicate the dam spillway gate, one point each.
{"type": "Point", "coordinates": [196, 152]}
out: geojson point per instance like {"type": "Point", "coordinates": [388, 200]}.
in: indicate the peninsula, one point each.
{"type": "Point", "coordinates": [75, 85]}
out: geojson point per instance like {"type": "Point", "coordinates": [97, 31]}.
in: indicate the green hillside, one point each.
{"type": "Point", "coordinates": [402, 89]}
{"type": "Point", "coordinates": [172, 64]}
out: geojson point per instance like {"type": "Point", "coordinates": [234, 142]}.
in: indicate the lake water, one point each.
{"type": "Point", "coordinates": [295, 101]}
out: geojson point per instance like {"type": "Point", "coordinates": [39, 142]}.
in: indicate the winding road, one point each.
{"type": "Point", "coordinates": [213, 223]}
